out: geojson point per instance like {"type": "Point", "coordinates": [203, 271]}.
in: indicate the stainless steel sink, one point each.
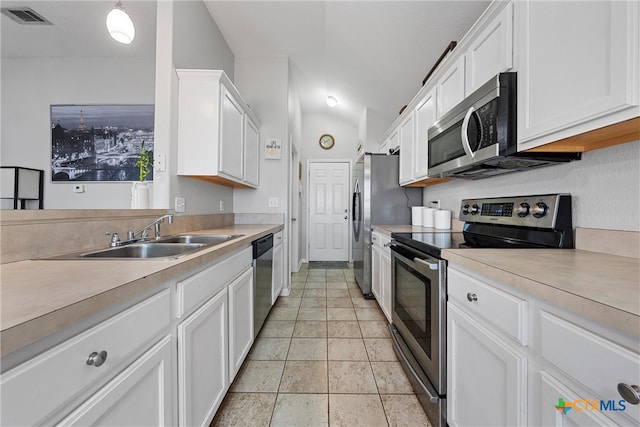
{"type": "Point", "coordinates": [146, 250]}
{"type": "Point", "coordinates": [202, 238]}
{"type": "Point", "coordinates": [164, 248]}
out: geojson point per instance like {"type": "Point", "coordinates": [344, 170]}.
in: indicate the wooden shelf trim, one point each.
{"type": "Point", "coordinates": [618, 133]}
{"type": "Point", "coordinates": [219, 180]}
{"type": "Point", "coordinates": [427, 182]}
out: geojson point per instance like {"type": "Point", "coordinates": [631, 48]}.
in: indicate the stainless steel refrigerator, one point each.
{"type": "Point", "coordinates": [377, 199]}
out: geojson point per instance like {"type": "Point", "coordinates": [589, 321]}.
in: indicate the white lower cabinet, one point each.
{"type": "Point", "coordinates": [140, 396]}
{"type": "Point", "coordinates": [241, 332]}
{"type": "Point", "coordinates": [513, 358]}
{"type": "Point", "coordinates": [278, 268]}
{"type": "Point", "coordinates": [486, 375]}
{"type": "Point", "coordinates": [203, 362]}
{"type": "Point", "coordinates": [381, 272]}
{"type": "Point", "coordinates": [40, 390]}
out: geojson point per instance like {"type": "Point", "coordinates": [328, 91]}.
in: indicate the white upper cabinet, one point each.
{"type": "Point", "coordinates": [251, 152]}
{"type": "Point", "coordinates": [218, 134]}
{"type": "Point", "coordinates": [407, 140]}
{"type": "Point", "coordinates": [450, 87]}
{"type": "Point", "coordinates": [577, 66]}
{"type": "Point", "coordinates": [491, 51]}
{"type": "Point", "coordinates": [425, 118]}
{"type": "Point", "coordinates": [231, 143]}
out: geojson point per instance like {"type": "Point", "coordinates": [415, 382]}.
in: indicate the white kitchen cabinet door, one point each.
{"type": "Point", "coordinates": [385, 283]}
{"type": "Point", "coordinates": [240, 321]}
{"type": "Point", "coordinates": [577, 67]}
{"type": "Point", "coordinates": [231, 143]}
{"type": "Point", "coordinates": [376, 260]}
{"type": "Point", "coordinates": [491, 51]}
{"type": "Point", "coordinates": [450, 87]}
{"type": "Point", "coordinates": [407, 138]}
{"type": "Point", "coordinates": [483, 373]}
{"type": "Point", "coordinates": [203, 362]}
{"type": "Point", "coordinates": [251, 152]}
{"type": "Point", "coordinates": [140, 396]}
{"type": "Point", "coordinates": [278, 268]}
{"type": "Point", "coordinates": [551, 391]}
{"type": "Point", "coordinates": [393, 141]}
{"type": "Point", "coordinates": [425, 118]}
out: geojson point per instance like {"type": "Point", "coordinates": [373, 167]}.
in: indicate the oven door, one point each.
{"type": "Point", "coordinates": [419, 309]}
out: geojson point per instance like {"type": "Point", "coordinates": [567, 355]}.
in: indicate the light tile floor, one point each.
{"type": "Point", "coordinates": [324, 357]}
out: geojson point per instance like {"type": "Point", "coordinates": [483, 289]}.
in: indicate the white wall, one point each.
{"type": "Point", "coordinates": [187, 37]}
{"type": "Point", "coordinates": [346, 137]}
{"type": "Point", "coordinates": [604, 186]}
{"type": "Point", "coordinates": [31, 85]}
{"type": "Point", "coordinates": [371, 127]}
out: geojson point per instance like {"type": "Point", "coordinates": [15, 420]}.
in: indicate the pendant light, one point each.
{"type": "Point", "coordinates": [120, 25]}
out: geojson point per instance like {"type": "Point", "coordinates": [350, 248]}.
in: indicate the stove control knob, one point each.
{"type": "Point", "coordinates": [523, 209]}
{"type": "Point", "coordinates": [465, 209]}
{"type": "Point", "coordinates": [475, 209]}
{"type": "Point", "coordinates": [539, 210]}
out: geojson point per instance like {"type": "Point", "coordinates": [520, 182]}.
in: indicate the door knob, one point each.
{"type": "Point", "coordinates": [346, 217]}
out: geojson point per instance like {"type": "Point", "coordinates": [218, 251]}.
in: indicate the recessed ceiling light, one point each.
{"type": "Point", "coordinates": [332, 101]}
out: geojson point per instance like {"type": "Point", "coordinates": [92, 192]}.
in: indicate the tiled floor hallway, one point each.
{"type": "Point", "coordinates": [323, 358]}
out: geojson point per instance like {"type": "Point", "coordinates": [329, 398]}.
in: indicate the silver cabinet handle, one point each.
{"type": "Point", "coordinates": [472, 297]}
{"type": "Point", "coordinates": [431, 266]}
{"type": "Point", "coordinates": [630, 393]}
{"type": "Point", "coordinates": [97, 359]}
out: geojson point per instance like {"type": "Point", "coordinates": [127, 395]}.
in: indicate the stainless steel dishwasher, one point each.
{"type": "Point", "coordinates": [262, 280]}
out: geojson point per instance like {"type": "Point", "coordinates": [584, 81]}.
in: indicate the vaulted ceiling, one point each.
{"type": "Point", "coordinates": [371, 54]}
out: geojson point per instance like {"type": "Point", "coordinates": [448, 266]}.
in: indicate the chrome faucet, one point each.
{"type": "Point", "coordinates": [156, 224]}
{"type": "Point", "coordinates": [143, 233]}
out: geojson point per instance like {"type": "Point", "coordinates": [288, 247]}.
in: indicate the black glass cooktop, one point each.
{"type": "Point", "coordinates": [431, 243]}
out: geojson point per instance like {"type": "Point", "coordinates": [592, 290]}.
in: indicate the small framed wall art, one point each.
{"type": "Point", "coordinates": [273, 149]}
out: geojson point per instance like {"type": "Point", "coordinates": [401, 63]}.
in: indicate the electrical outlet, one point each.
{"type": "Point", "coordinates": [78, 188]}
{"type": "Point", "coordinates": [180, 204]}
{"type": "Point", "coordinates": [274, 202]}
{"type": "Point", "coordinates": [434, 204]}
{"type": "Point", "coordinates": [221, 205]}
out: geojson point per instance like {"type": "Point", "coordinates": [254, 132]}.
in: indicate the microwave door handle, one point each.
{"type": "Point", "coordinates": [463, 132]}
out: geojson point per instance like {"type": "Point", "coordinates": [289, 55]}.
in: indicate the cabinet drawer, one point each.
{"type": "Point", "coordinates": [501, 309]}
{"type": "Point", "coordinates": [196, 289]}
{"type": "Point", "coordinates": [27, 399]}
{"type": "Point", "coordinates": [277, 238]}
{"type": "Point", "coordinates": [591, 360]}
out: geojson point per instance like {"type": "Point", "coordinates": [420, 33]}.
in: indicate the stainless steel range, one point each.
{"type": "Point", "coordinates": [419, 278]}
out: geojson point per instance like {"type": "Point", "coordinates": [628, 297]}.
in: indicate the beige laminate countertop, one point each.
{"type": "Point", "coordinates": [602, 287]}
{"type": "Point", "coordinates": [40, 297]}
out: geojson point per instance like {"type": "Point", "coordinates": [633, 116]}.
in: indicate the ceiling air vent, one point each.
{"type": "Point", "coordinates": [25, 16]}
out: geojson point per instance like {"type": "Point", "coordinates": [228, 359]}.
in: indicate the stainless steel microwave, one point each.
{"type": "Point", "coordinates": [478, 137]}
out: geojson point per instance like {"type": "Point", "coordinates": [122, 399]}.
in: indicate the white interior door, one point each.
{"type": "Point", "coordinates": [329, 211]}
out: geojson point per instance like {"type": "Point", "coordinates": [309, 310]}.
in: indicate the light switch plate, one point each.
{"type": "Point", "coordinates": [160, 162]}
{"type": "Point", "coordinates": [78, 188]}
{"type": "Point", "coordinates": [274, 202]}
{"type": "Point", "coordinates": [180, 204]}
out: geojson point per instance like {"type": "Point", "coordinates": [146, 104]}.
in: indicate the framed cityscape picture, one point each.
{"type": "Point", "coordinates": [100, 142]}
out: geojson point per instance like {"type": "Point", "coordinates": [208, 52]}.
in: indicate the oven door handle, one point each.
{"type": "Point", "coordinates": [431, 265]}
{"type": "Point", "coordinates": [428, 388]}
{"type": "Point", "coordinates": [415, 256]}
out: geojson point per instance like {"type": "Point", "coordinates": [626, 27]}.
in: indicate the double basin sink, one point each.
{"type": "Point", "coordinates": [165, 247]}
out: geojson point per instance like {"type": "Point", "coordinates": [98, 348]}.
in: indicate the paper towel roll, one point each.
{"type": "Point", "coordinates": [428, 217]}
{"type": "Point", "coordinates": [443, 219]}
{"type": "Point", "coordinates": [416, 215]}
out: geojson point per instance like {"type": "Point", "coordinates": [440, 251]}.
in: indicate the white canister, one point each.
{"type": "Point", "coordinates": [416, 215]}
{"type": "Point", "coordinates": [428, 217]}
{"type": "Point", "coordinates": [443, 219]}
